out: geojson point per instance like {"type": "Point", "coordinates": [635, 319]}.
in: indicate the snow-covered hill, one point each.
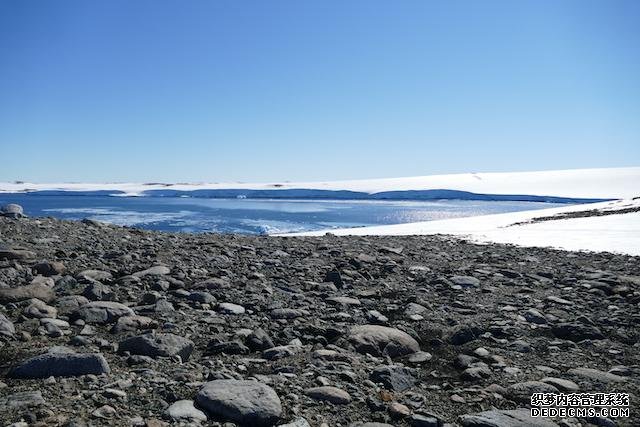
{"type": "Point", "coordinates": [608, 183]}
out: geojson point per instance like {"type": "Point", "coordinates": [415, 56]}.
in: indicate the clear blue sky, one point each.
{"type": "Point", "coordinates": [155, 90]}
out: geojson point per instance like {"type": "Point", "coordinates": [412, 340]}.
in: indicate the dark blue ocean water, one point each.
{"type": "Point", "coordinates": [252, 216]}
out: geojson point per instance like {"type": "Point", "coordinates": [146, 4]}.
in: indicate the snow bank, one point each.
{"type": "Point", "coordinates": [618, 233]}
{"type": "Point", "coordinates": [609, 183]}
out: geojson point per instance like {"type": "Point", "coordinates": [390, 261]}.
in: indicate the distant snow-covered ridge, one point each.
{"type": "Point", "coordinates": [553, 186]}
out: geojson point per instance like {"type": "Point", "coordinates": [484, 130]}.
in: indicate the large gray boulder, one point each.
{"type": "Point", "coordinates": [60, 364]}
{"type": "Point", "coordinates": [381, 340]}
{"type": "Point", "coordinates": [21, 293]}
{"type": "Point", "coordinates": [102, 312]}
{"type": "Point", "coordinates": [242, 401]}
{"type": "Point", "coordinates": [12, 210]}
{"type": "Point", "coordinates": [158, 345]}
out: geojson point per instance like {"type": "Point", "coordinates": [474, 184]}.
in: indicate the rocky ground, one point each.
{"type": "Point", "coordinates": [103, 325]}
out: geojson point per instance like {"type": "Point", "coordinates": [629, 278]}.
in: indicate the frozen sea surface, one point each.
{"type": "Point", "coordinates": [250, 216]}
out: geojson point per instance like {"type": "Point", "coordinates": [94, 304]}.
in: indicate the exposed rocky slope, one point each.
{"type": "Point", "coordinates": [102, 325]}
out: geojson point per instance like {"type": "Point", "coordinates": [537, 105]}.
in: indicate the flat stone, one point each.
{"type": "Point", "coordinates": [465, 281]}
{"type": "Point", "coordinates": [381, 340]}
{"type": "Point", "coordinates": [343, 301]}
{"type": "Point", "coordinates": [561, 384]}
{"type": "Point", "coordinates": [522, 392]}
{"type": "Point", "coordinates": [20, 400]}
{"type": "Point", "coordinates": [509, 418]}
{"type": "Point", "coordinates": [60, 364]}
{"type": "Point", "coordinates": [288, 313]}
{"type": "Point", "coordinates": [230, 308]}
{"type": "Point", "coordinates": [98, 275]}
{"type": "Point", "coordinates": [17, 254]}
{"type": "Point", "coordinates": [558, 300]}
{"type": "Point", "coordinates": [102, 312]}
{"type": "Point", "coordinates": [241, 401]}
{"type": "Point", "coordinates": [534, 316]}
{"type": "Point", "coordinates": [183, 410]}
{"type": "Point", "coordinates": [158, 345]}
{"type": "Point", "coordinates": [576, 332]}
{"type": "Point", "coordinates": [21, 293]}
{"type": "Point", "coordinates": [393, 377]}
{"type": "Point", "coordinates": [134, 323]}
{"type": "Point", "coordinates": [158, 270]}
{"type": "Point", "coordinates": [329, 394]}
{"type": "Point", "coordinates": [596, 375]}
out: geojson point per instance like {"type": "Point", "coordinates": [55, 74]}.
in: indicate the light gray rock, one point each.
{"type": "Point", "coordinates": [98, 275]}
{"type": "Point", "coordinates": [184, 411]}
{"type": "Point", "coordinates": [39, 309]}
{"type": "Point", "coordinates": [20, 400]}
{"type": "Point", "coordinates": [158, 270]}
{"type": "Point", "coordinates": [134, 323]}
{"type": "Point", "coordinates": [381, 340]}
{"type": "Point", "coordinates": [299, 422]}
{"type": "Point", "coordinates": [12, 210]}
{"type": "Point", "coordinates": [158, 345]}
{"type": "Point", "coordinates": [60, 364]}
{"type": "Point", "coordinates": [511, 418]}
{"type": "Point", "coordinates": [19, 254]}
{"type": "Point", "coordinates": [241, 401]}
{"type": "Point", "coordinates": [596, 375]}
{"type": "Point", "coordinates": [343, 301]}
{"type": "Point", "coordinates": [329, 394]}
{"type": "Point", "coordinates": [102, 312]}
{"type": "Point", "coordinates": [230, 308]}
{"type": "Point", "coordinates": [6, 326]}
{"type": "Point", "coordinates": [562, 384]}
{"type": "Point", "coordinates": [21, 293]}
{"type": "Point", "coordinates": [465, 281]}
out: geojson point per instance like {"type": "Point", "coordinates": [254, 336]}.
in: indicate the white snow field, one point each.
{"type": "Point", "coordinates": [606, 183]}
{"type": "Point", "coordinates": [617, 233]}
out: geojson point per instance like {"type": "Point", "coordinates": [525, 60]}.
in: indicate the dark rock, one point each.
{"type": "Point", "coordinates": [60, 365]}
{"type": "Point", "coordinates": [393, 377]}
{"type": "Point", "coordinates": [158, 345]}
